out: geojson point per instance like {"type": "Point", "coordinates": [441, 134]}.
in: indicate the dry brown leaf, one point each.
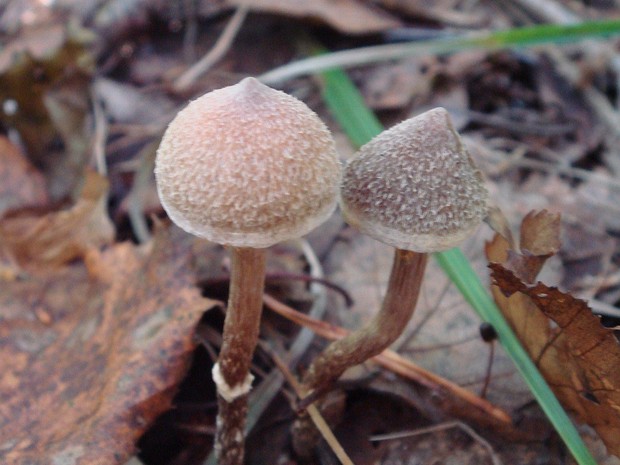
{"type": "Point", "coordinates": [53, 239]}
{"type": "Point", "coordinates": [540, 233]}
{"type": "Point", "coordinates": [21, 185]}
{"type": "Point", "coordinates": [92, 357]}
{"type": "Point", "coordinates": [578, 357]}
{"type": "Point", "coordinates": [348, 16]}
{"type": "Point", "coordinates": [498, 222]}
{"type": "Point", "coordinates": [539, 240]}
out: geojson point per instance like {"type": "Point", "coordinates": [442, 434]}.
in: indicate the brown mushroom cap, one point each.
{"type": "Point", "coordinates": [415, 187]}
{"type": "Point", "coordinates": [247, 166]}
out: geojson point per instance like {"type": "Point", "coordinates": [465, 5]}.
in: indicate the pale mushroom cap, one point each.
{"type": "Point", "coordinates": [415, 187]}
{"type": "Point", "coordinates": [247, 166]}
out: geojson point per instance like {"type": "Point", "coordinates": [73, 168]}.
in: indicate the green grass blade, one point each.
{"type": "Point", "coordinates": [348, 108]}
{"type": "Point", "coordinates": [488, 40]}
{"type": "Point", "coordinates": [546, 33]}
{"type": "Point", "coordinates": [360, 125]}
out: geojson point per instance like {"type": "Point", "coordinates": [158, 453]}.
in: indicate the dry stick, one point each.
{"type": "Point", "coordinates": [240, 336]}
{"type": "Point", "coordinates": [222, 45]}
{"type": "Point", "coordinates": [314, 413]}
{"type": "Point", "coordinates": [549, 11]}
{"type": "Point", "coordinates": [191, 29]}
{"type": "Point", "coordinates": [288, 276]}
{"type": "Point", "coordinates": [138, 193]}
{"type": "Point", "coordinates": [442, 426]}
{"type": "Point", "coordinates": [390, 360]}
{"type": "Point", "coordinates": [101, 134]}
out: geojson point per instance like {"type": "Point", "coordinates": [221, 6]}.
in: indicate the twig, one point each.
{"type": "Point", "coordinates": [222, 45]}
{"type": "Point", "coordinates": [191, 30]}
{"type": "Point", "coordinates": [285, 276]}
{"type": "Point", "coordinates": [441, 427]}
{"type": "Point", "coordinates": [549, 11]}
{"type": "Point", "coordinates": [133, 134]}
{"type": "Point", "coordinates": [519, 160]}
{"type": "Point", "coordinates": [518, 127]}
{"type": "Point", "coordinates": [101, 134]}
{"type": "Point", "coordinates": [314, 413]}
{"type": "Point", "coordinates": [391, 360]}
{"type": "Point", "coordinates": [139, 189]}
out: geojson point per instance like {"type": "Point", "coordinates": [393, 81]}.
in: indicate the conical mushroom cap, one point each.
{"type": "Point", "coordinates": [247, 166]}
{"type": "Point", "coordinates": [415, 187]}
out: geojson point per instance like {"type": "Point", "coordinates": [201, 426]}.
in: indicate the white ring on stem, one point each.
{"type": "Point", "coordinates": [230, 393]}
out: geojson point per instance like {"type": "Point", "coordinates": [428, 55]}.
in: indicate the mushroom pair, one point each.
{"type": "Point", "coordinates": [245, 166]}
{"type": "Point", "coordinates": [248, 166]}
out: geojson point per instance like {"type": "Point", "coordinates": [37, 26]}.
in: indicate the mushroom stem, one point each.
{"type": "Point", "coordinates": [398, 306]}
{"type": "Point", "coordinates": [232, 371]}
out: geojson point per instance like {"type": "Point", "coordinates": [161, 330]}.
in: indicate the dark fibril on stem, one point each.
{"type": "Point", "coordinates": [245, 166]}
{"type": "Point", "coordinates": [413, 187]}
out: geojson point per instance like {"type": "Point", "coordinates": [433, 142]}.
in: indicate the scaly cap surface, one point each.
{"type": "Point", "coordinates": [247, 166]}
{"type": "Point", "coordinates": [415, 187]}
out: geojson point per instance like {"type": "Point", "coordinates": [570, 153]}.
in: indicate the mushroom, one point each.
{"type": "Point", "coordinates": [245, 166]}
{"type": "Point", "coordinates": [413, 187]}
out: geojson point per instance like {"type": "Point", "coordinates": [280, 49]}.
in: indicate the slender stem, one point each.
{"type": "Point", "coordinates": [229, 443]}
{"type": "Point", "coordinates": [398, 305]}
{"type": "Point", "coordinates": [240, 337]}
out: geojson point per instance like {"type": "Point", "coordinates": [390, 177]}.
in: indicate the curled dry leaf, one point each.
{"type": "Point", "coordinates": [90, 359]}
{"type": "Point", "coordinates": [539, 240]}
{"type": "Point", "coordinates": [578, 357]}
{"type": "Point", "coordinates": [53, 239]}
